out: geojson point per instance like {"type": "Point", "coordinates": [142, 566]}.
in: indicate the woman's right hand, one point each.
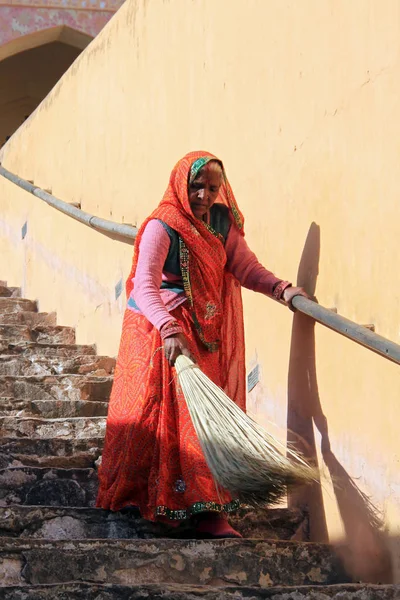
{"type": "Point", "coordinates": [174, 346]}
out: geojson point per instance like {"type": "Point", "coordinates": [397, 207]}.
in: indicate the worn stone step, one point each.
{"type": "Point", "coordinates": [57, 387]}
{"type": "Point", "coordinates": [43, 365]}
{"type": "Point", "coordinates": [32, 319]}
{"type": "Point", "coordinates": [84, 523]}
{"type": "Point", "coordinates": [68, 428]}
{"type": "Point", "coordinates": [48, 487]}
{"type": "Point", "coordinates": [8, 305]}
{"type": "Point", "coordinates": [50, 452]}
{"type": "Point", "coordinates": [53, 523]}
{"type": "Point", "coordinates": [52, 409]}
{"type": "Point", "coordinates": [34, 350]}
{"type": "Point", "coordinates": [9, 292]}
{"type": "Point", "coordinates": [15, 333]}
{"type": "Point", "coordinates": [48, 335]}
{"type": "Point", "coordinates": [211, 562]}
{"type": "Point", "coordinates": [91, 591]}
{"type": "Point", "coordinates": [36, 486]}
{"type": "Point", "coordinates": [94, 591]}
{"type": "Point", "coordinates": [271, 523]}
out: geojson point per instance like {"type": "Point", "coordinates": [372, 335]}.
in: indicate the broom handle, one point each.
{"type": "Point", "coordinates": [351, 330]}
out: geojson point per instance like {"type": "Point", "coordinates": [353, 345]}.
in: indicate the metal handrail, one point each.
{"type": "Point", "coordinates": [121, 230]}
{"type": "Point", "coordinates": [357, 333]}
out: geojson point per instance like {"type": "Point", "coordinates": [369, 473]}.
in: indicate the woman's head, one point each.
{"type": "Point", "coordinates": [196, 182]}
{"type": "Point", "coordinates": [204, 185]}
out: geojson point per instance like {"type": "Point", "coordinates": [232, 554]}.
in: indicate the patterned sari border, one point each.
{"type": "Point", "coordinates": [184, 264]}
{"type": "Point", "coordinates": [232, 203]}
{"type": "Point", "coordinates": [195, 509]}
{"type": "Point", "coordinates": [197, 166]}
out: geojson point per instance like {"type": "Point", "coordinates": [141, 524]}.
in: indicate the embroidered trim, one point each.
{"type": "Point", "coordinates": [197, 165]}
{"type": "Point", "coordinates": [280, 288]}
{"type": "Point", "coordinates": [184, 262]}
{"type": "Point", "coordinates": [232, 203]}
{"type": "Point", "coordinates": [215, 233]}
{"type": "Point", "coordinates": [180, 486]}
{"type": "Point", "coordinates": [211, 309]}
{"type": "Point", "coordinates": [169, 329]}
{"type": "Point", "coordinates": [196, 508]}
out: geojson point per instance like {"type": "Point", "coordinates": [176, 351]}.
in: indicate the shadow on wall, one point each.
{"type": "Point", "coordinates": [30, 66]}
{"type": "Point", "coordinates": [365, 553]}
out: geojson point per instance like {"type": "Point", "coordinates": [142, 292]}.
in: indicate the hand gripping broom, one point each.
{"type": "Point", "coordinates": [242, 457]}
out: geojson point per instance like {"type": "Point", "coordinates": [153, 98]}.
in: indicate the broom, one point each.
{"type": "Point", "coordinates": [242, 457]}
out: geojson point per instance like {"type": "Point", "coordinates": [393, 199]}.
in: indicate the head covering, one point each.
{"type": "Point", "coordinates": [202, 254]}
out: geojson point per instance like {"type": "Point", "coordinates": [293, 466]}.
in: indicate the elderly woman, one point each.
{"type": "Point", "coordinates": [190, 261]}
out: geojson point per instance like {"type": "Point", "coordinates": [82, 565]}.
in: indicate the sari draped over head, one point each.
{"type": "Point", "coordinates": [152, 457]}
{"type": "Point", "coordinates": [202, 254]}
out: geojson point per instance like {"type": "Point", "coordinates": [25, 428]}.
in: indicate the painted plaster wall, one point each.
{"type": "Point", "coordinates": [302, 102]}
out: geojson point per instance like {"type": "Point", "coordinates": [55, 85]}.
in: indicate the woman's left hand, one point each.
{"type": "Point", "coordinates": [290, 292]}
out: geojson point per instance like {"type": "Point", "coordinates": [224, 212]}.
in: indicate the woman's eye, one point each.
{"type": "Point", "coordinates": [214, 189]}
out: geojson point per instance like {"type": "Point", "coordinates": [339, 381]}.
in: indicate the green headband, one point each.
{"type": "Point", "coordinates": [197, 165]}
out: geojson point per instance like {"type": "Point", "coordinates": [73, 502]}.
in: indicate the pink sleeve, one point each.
{"type": "Point", "coordinates": [153, 252]}
{"type": "Point", "coordinates": [243, 264]}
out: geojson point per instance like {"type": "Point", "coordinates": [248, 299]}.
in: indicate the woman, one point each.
{"type": "Point", "coordinates": [189, 262]}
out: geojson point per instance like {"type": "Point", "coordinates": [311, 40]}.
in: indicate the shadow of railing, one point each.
{"type": "Point", "coordinates": [365, 551]}
{"type": "Point", "coordinates": [303, 397]}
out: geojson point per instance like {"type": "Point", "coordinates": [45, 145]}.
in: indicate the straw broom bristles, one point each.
{"type": "Point", "coordinates": [242, 457]}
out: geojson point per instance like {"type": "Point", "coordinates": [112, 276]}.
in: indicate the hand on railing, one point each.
{"type": "Point", "coordinates": [290, 292]}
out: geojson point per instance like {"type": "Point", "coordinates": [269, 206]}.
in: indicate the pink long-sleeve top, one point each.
{"type": "Point", "coordinates": [155, 303]}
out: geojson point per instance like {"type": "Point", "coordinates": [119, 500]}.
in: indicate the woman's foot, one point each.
{"type": "Point", "coordinates": [214, 526]}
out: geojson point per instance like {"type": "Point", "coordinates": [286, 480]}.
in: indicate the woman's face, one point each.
{"type": "Point", "coordinates": [204, 190]}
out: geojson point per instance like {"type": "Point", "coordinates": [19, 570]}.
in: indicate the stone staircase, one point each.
{"type": "Point", "coordinates": [55, 544]}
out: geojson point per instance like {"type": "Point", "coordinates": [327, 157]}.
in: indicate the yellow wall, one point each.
{"type": "Point", "coordinates": [301, 101]}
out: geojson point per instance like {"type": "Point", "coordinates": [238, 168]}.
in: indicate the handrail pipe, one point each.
{"type": "Point", "coordinates": [123, 232]}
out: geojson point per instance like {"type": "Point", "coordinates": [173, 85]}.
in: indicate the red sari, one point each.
{"type": "Point", "coordinates": [152, 458]}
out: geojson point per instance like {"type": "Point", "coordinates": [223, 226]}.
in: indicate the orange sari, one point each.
{"type": "Point", "coordinates": [152, 458]}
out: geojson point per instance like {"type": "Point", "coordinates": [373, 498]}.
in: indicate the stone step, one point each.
{"type": "Point", "coordinates": [9, 292]}
{"type": "Point", "coordinates": [183, 562]}
{"type": "Point", "coordinates": [52, 409]}
{"type": "Point", "coordinates": [34, 350]}
{"type": "Point", "coordinates": [56, 387]}
{"type": "Point", "coordinates": [43, 365]}
{"type": "Point", "coordinates": [50, 452]}
{"type": "Point", "coordinates": [15, 333]}
{"type": "Point", "coordinates": [48, 487]}
{"type": "Point", "coordinates": [68, 428]}
{"type": "Point", "coordinates": [94, 591]}
{"type": "Point", "coordinates": [47, 335]}
{"type": "Point", "coordinates": [10, 305]}
{"type": "Point", "coordinates": [32, 319]}
{"type": "Point", "coordinates": [271, 523]}
{"type": "Point", "coordinates": [52, 523]}
{"type": "Point", "coordinates": [62, 523]}
{"type": "Point", "coordinates": [60, 487]}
